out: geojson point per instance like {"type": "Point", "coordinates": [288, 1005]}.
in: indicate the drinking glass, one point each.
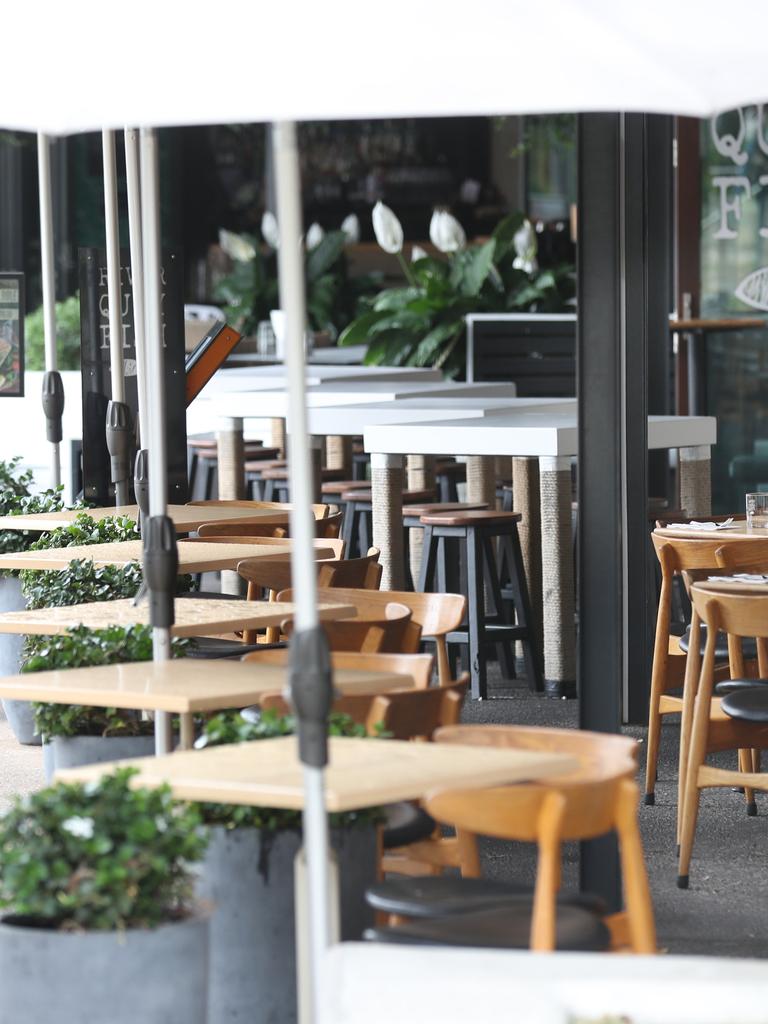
{"type": "Point", "coordinates": [265, 339]}
{"type": "Point", "coordinates": [757, 511]}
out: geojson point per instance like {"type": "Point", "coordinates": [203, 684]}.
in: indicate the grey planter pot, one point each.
{"type": "Point", "coordinates": [72, 751]}
{"type": "Point", "coordinates": [156, 976]}
{"type": "Point", "coordinates": [247, 876]}
{"type": "Point", "coordinates": [18, 712]}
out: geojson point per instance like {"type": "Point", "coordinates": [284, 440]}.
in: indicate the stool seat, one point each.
{"type": "Point", "coordinates": [364, 494]}
{"type": "Point", "coordinates": [457, 470]}
{"type": "Point", "coordinates": [338, 486]}
{"type": "Point", "coordinates": [443, 895]}
{"type": "Point", "coordinates": [261, 455]}
{"type": "Point", "coordinates": [477, 517]}
{"type": "Point", "coordinates": [281, 473]}
{"type": "Point", "coordinates": [405, 823]}
{"type": "Point", "coordinates": [507, 927]}
{"type": "Point", "coordinates": [747, 705]}
{"type": "Point", "coordinates": [726, 686]}
{"type": "Point", "coordinates": [262, 465]}
{"type": "Point", "coordinates": [432, 508]}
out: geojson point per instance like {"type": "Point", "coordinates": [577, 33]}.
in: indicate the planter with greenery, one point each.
{"type": "Point", "coordinates": [422, 323]}
{"type": "Point", "coordinates": [97, 890]}
{"type": "Point", "coordinates": [248, 876]}
{"type": "Point", "coordinates": [73, 734]}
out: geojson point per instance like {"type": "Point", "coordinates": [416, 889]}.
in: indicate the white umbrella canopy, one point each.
{"type": "Point", "coordinates": [301, 61]}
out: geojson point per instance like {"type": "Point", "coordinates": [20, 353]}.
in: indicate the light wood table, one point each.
{"type": "Point", "coordinates": [195, 616]}
{"type": "Point", "coordinates": [194, 556]}
{"type": "Point", "coordinates": [186, 518]}
{"type": "Point", "coordinates": [361, 772]}
{"type": "Point", "coordinates": [181, 686]}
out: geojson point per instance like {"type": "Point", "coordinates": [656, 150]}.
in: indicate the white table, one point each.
{"type": "Point", "coordinates": [273, 376]}
{"type": "Point", "coordinates": [542, 443]}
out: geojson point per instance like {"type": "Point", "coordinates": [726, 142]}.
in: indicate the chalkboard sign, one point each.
{"type": "Point", "coordinates": [11, 335]}
{"type": "Point", "coordinates": [95, 362]}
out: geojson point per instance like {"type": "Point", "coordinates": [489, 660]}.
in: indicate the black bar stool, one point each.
{"type": "Point", "coordinates": [476, 531]}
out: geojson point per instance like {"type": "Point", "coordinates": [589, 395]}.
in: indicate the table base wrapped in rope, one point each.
{"type": "Point", "coordinates": [558, 590]}
{"type": "Point", "coordinates": [388, 480]}
{"type": "Point", "coordinates": [695, 481]}
{"type": "Point", "coordinates": [231, 459]}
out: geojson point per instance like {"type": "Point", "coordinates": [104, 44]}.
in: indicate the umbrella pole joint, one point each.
{"type": "Point", "coordinates": [311, 692]}
{"type": "Point", "coordinates": [161, 567]}
{"type": "Point", "coordinates": [119, 432]}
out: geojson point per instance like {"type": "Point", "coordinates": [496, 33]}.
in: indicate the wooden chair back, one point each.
{"type": "Point", "coordinates": [747, 556]}
{"type": "Point", "coordinates": [739, 614]}
{"type": "Point", "coordinates": [389, 634]}
{"type": "Point", "coordinates": [319, 510]}
{"type": "Point", "coordinates": [599, 797]}
{"type": "Point", "coordinates": [360, 573]}
{"type": "Point", "coordinates": [417, 666]}
{"type": "Point", "coordinates": [329, 527]}
{"type": "Point", "coordinates": [437, 614]}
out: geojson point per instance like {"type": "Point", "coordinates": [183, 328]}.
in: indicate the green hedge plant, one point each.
{"type": "Point", "coordinates": [17, 499]}
{"type": "Point", "coordinates": [67, 336]}
{"type": "Point", "coordinates": [101, 856]}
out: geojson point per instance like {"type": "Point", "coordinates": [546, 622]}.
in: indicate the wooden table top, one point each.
{"type": "Point", "coordinates": [361, 773]}
{"type": "Point", "coordinates": [194, 556]}
{"type": "Point", "coordinates": [740, 532]}
{"type": "Point", "coordinates": [195, 616]}
{"type": "Point", "coordinates": [185, 517]}
{"type": "Point", "coordinates": [182, 685]}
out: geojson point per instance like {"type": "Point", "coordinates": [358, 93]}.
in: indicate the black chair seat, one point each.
{"type": "Point", "coordinates": [213, 647]}
{"type": "Point", "coordinates": [508, 927]}
{"type": "Point", "coordinates": [443, 895]}
{"type": "Point", "coordinates": [748, 645]}
{"type": "Point", "coordinates": [406, 823]}
{"type": "Point", "coordinates": [748, 705]}
{"type": "Point", "coordinates": [726, 686]}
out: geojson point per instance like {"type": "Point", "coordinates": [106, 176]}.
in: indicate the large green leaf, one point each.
{"type": "Point", "coordinates": [395, 298]}
{"type": "Point", "coordinates": [505, 231]}
{"type": "Point", "coordinates": [403, 320]}
{"type": "Point", "coordinates": [478, 267]}
{"type": "Point", "coordinates": [390, 349]}
{"type": "Point", "coordinates": [324, 255]}
{"type": "Point", "coordinates": [430, 345]}
{"type": "Point", "coordinates": [358, 331]}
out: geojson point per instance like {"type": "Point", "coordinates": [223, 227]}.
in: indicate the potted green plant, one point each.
{"type": "Point", "coordinates": [73, 734]}
{"type": "Point", "coordinates": [422, 323]}
{"type": "Point", "coordinates": [100, 922]}
{"type": "Point", "coordinates": [248, 877]}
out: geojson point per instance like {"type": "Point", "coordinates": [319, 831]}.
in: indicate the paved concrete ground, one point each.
{"type": "Point", "coordinates": [724, 911]}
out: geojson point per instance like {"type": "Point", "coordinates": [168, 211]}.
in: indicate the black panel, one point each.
{"type": "Point", "coordinates": [539, 355]}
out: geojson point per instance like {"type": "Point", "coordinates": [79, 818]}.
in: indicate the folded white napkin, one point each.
{"type": "Point", "coordinates": [728, 524]}
{"type": "Point", "coordinates": [740, 577]}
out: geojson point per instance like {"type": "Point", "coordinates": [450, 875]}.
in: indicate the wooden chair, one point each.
{"type": "Point", "coordinates": [740, 614]}
{"type": "Point", "coordinates": [329, 527]}
{"type": "Point", "coordinates": [599, 797]}
{"type": "Point", "coordinates": [319, 510]}
{"type": "Point", "coordinates": [417, 666]}
{"type": "Point", "coordinates": [330, 549]}
{"type": "Point", "coordinates": [437, 614]}
{"type": "Point", "coordinates": [274, 574]}
{"type": "Point", "coordinates": [391, 633]}
{"type": "Point", "coordinates": [399, 714]}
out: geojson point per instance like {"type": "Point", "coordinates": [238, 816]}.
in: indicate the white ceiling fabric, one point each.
{"type": "Point", "coordinates": [87, 64]}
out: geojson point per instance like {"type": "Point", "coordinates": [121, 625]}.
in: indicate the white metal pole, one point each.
{"type": "Point", "coordinates": [293, 301]}
{"type": "Point", "coordinates": [48, 276]}
{"type": "Point", "coordinates": [133, 187]}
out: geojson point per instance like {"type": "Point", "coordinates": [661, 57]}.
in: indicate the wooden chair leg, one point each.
{"type": "Point", "coordinates": [658, 681]}
{"type": "Point", "coordinates": [690, 685]}
{"type": "Point", "coordinates": [691, 802]}
{"type": "Point", "coordinates": [745, 765]}
{"type": "Point", "coordinates": [637, 891]}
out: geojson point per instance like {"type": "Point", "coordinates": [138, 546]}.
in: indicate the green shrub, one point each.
{"type": "Point", "coordinates": [100, 856]}
{"type": "Point", "coordinates": [84, 529]}
{"type": "Point", "coordinates": [67, 336]}
{"type": "Point", "coordinates": [16, 499]}
{"type": "Point", "coordinates": [231, 727]}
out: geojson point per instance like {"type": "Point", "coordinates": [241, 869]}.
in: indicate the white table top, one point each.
{"type": "Point", "coordinates": [534, 433]}
{"type": "Point", "coordinates": [273, 377]}
{"type": "Point", "coordinates": [354, 419]}
{"type": "Point", "coordinates": [260, 404]}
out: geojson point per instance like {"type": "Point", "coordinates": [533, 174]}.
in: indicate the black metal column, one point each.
{"type": "Point", "coordinates": [612, 392]}
{"type": "Point", "coordinates": [11, 203]}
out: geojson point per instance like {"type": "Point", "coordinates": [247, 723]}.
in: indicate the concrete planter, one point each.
{"type": "Point", "coordinates": [72, 751]}
{"type": "Point", "coordinates": [148, 976]}
{"type": "Point", "coordinates": [247, 876]}
{"type": "Point", "coordinates": [18, 712]}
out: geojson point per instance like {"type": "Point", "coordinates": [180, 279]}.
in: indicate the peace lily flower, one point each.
{"type": "Point", "coordinates": [236, 247]}
{"type": "Point", "coordinates": [351, 228]}
{"type": "Point", "coordinates": [417, 253]}
{"type": "Point", "coordinates": [388, 229]}
{"type": "Point", "coordinates": [270, 231]}
{"type": "Point", "coordinates": [526, 247]}
{"type": "Point", "coordinates": [445, 232]}
{"type": "Point", "coordinates": [81, 828]}
{"type": "Point", "coordinates": [315, 235]}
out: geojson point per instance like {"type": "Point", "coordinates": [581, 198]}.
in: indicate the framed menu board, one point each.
{"type": "Point", "coordinates": [11, 335]}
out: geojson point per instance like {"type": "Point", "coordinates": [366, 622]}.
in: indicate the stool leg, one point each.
{"type": "Point", "coordinates": [523, 612]}
{"type": "Point", "coordinates": [269, 490]}
{"type": "Point", "coordinates": [476, 616]}
{"type": "Point", "coordinates": [504, 650]}
{"type": "Point", "coordinates": [348, 529]}
{"type": "Point", "coordinates": [428, 559]}
{"type": "Point", "coordinates": [210, 473]}
{"type": "Point", "coordinates": [192, 474]}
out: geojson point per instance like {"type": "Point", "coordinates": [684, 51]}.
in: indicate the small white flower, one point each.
{"type": "Point", "coordinates": [351, 228]}
{"type": "Point", "coordinates": [81, 828]}
{"type": "Point", "coordinates": [236, 247]}
{"type": "Point", "coordinates": [315, 235]}
{"type": "Point", "coordinates": [270, 231]}
{"type": "Point", "coordinates": [417, 253]}
{"type": "Point", "coordinates": [387, 228]}
{"type": "Point", "coordinates": [526, 248]}
{"type": "Point", "coordinates": [445, 232]}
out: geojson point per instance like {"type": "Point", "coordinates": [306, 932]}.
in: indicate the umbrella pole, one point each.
{"type": "Point", "coordinates": [118, 426]}
{"type": "Point", "coordinates": [309, 672]}
{"type": "Point", "coordinates": [161, 559]}
{"type": "Point", "coordinates": [133, 189]}
{"type": "Point", "coordinates": [53, 388]}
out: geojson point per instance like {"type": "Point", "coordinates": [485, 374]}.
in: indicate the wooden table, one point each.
{"type": "Point", "coordinates": [195, 616]}
{"type": "Point", "coordinates": [740, 533]}
{"type": "Point", "coordinates": [542, 443]}
{"type": "Point", "coordinates": [194, 556]}
{"type": "Point", "coordinates": [186, 518]}
{"type": "Point", "coordinates": [181, 686]}
{"type": "Point", "coordinates": [361, 772]}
